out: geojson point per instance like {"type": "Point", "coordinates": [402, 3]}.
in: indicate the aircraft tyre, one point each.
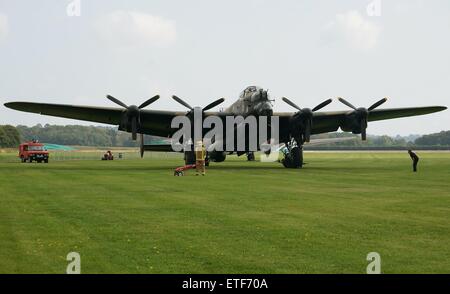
{"type": "Point", "coordinates": [294, 159]}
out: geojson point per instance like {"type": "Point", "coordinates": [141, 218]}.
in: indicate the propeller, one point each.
{"type": "Point", "coordinates": [207, 107]}
{"type": "Point", "coordinates": [362, 114]}
{"type": "Point", "coordinates": [303, 119]}
{"type": "Point", "coordinates": [190, 113]}
{"type": "Point", "coordinates": [133, 112]}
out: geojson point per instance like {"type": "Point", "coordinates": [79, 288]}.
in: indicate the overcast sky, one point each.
{"type": "Point", "coordinates": [308, 51]}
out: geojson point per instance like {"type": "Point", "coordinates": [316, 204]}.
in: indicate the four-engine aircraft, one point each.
{"type": "Point", "coordinates": [295, 128]}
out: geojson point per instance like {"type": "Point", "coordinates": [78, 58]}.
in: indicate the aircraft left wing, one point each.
{"type": "Point", "coordinates": [153, 122]}
{"type": "Point", "coordinates": [106, 115]}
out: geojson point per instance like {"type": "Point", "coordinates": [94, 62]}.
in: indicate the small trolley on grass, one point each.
{"type": "Point", "coordinates": [179, 171]}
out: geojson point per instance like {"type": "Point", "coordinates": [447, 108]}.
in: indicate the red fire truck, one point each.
{"type": "Point", "coordinates": [33, 151]}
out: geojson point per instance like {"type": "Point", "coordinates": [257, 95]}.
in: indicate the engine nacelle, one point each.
{"type": "Point", "coordinates": [351, 124]}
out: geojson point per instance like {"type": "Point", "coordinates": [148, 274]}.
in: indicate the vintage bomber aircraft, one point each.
{"type": "Point", "coordinates": [295, 128]}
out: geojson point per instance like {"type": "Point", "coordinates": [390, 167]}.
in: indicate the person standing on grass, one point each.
{"type": "Point", "coordinates": [414, 158]}
{"type": "Point", "coordinates": [200, 154]}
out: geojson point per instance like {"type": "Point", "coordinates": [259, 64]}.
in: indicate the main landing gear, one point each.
{"type": "Point", "coordinates": [293, 155]}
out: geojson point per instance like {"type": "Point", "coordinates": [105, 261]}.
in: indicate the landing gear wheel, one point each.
{"type": "Point", "coordinates": [297, 157]}
{"type": "Point", "coordinates": [251, 156]}
{"type": "Point", "coordinates": [293, 156]}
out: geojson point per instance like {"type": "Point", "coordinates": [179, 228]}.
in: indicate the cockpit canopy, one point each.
{"type": "Point", "coordinates": [249, 90]}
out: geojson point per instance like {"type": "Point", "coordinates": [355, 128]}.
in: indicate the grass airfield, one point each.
{"type": "Point", "coordinates": [134, 216]}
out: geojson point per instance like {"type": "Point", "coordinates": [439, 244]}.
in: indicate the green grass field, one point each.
{"type": "Point", "coordinates": [134, 216]}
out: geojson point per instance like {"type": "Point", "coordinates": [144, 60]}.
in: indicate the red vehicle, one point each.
{"type": "Point", "coordinates": [33, 151]}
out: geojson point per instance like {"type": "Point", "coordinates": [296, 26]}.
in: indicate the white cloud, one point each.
{"type": "Point", "coordinates": [4, 29]}
{"type": "Point", "coordinates": [353, 29]}
{"type": "Point", "coordinates": [131, 28]}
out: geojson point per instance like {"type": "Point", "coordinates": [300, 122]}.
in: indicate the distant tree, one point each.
{"type": "Point", "coordinates": [4, 140]}
{"type": "Point", "coordinates": [9, 136]}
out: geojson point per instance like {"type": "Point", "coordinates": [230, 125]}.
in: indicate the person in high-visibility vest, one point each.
{"type": "Point", "coordinates": [200, 154]}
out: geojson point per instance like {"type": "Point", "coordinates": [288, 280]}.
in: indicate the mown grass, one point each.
{"type": "Point", "coordinates": [134, 216]}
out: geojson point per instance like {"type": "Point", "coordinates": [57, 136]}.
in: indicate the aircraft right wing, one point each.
{"type": "Point", "coordinates": [390, 113]}
{"type": "Point", "coordinates": [324, 121]}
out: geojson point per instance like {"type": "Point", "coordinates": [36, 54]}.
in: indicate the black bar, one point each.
{"type": "Point", "coordinates": [225, 283]}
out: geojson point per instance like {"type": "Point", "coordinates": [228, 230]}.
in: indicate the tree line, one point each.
{"type": "Point", "coordinates": [78, 135]}
{"type": "Point", "coordinates": [437, 139]}
{"type": "Point", "coordinates": [441, 139]}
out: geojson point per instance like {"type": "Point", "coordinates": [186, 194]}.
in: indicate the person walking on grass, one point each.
{"type": "Point", "coordinates": [414, 158]}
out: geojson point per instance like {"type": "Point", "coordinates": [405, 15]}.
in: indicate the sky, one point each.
{"type": "Point", "coordinates": [78, 51]}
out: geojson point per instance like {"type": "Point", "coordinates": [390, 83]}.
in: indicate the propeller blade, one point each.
{"type": "Point", "coordinates": [291, 103]}
{"type": "Point", "coordinates": [142, 145]}
{"type": "Point", "coordinates": [322, 105]}
{"type": "Point", "coordinates": [342, 100]}
{"type": "Point", "coordinates": [377, 104]}
{"type": "Point", "coordinates": [179, 100]}
{"type": "Point", "coordinates": [148, 102]}
{"type": "Point", "coordinates": [134, 128]}
{"type": "Point", "coordinates": [117, 101]}
{"type": "Point", "coordinates": [215, 103]}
